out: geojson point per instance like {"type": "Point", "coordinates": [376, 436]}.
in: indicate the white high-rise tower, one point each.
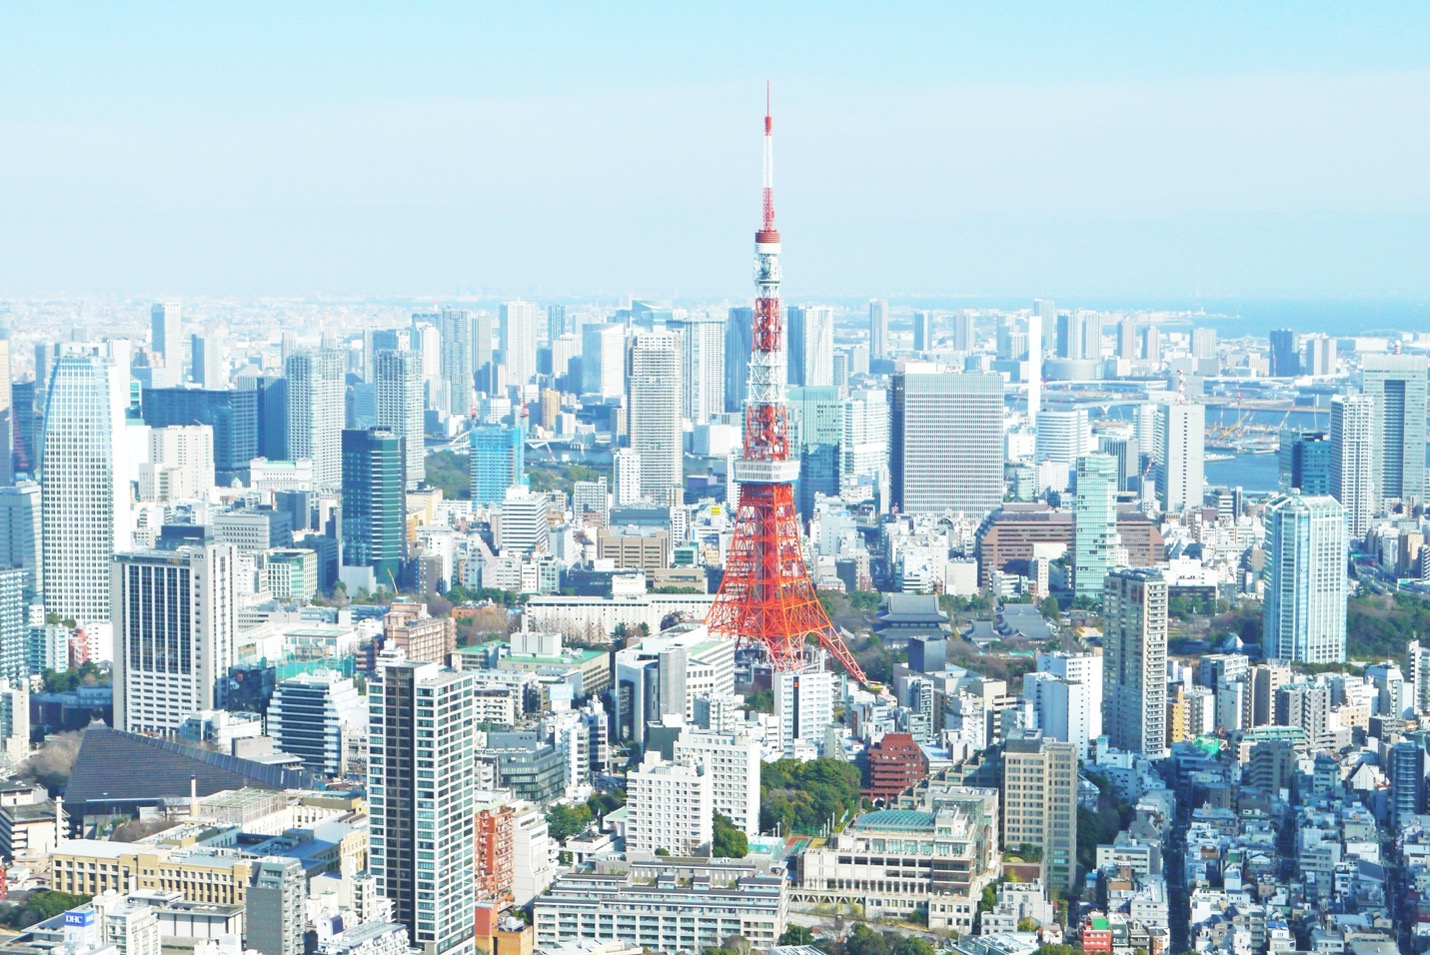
{"type": "Point", "coordinates": [316, 414]}
{"type": "Point", "coordinates": [518, 340]}
{"type": "Point", "coordinates": [399, 407]}
{"type": "Point", "coordinates": [655, 396]}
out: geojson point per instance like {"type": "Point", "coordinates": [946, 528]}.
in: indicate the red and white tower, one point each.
{"type": "Point", "coordinates": [766, 596]}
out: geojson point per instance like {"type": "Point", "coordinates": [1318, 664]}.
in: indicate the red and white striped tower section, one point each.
{"type": "Point", "coordinates": [766, 596]}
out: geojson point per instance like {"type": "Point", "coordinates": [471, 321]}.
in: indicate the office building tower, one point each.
{"type": "Point", "coordinates": [964, 335]}
{"type": "Point", "coordinates": [518, 341]}
{"type": "Point", "coordinates": [811, 345]}
{"type": "Point", "coordinates": [1304, 610]}
{"type": "Point", "coordinates": [626, 477]}
{"type": "Point", "coordinates": [1040, 782]}
{"type": "Point", "coordinates": [864, 441]}
{"type": "Point", "coordinates": [459, 361]}
{"type": "Point", "coordinates": [275, 908]}
{"type": "Point", "coordinates": [1318, 356]}
{"type": "Point", "coordinates": [1127, 338]}
{"type": "Point", "coordinates": [655, 395]}
{"type": "Point", "coordinates": [739, 332]}
{"type": "Point", "coordinates": [421, 798]}
{"type": "Point", "coordinates": [933, 413]}
{"type": "Point", "coordinates": [374, 504]}
{"type": "Point", "coordinates": [1203, 342]}
{"type": "Point", "coordinates": [20, 535]}
{"type": "Point", "coordinates": [1122, 447]}
{"type": "Point", "coordinates": [1063, 436]}
{"type": "Point", "coordinates": [270, 415]}
{"type": "Point", "coordinates": [923, 330]}
{"type": "Point", "coordinates": [25, 451]}
{"type": "Point", "coordinates": [398, 384]}
{"type": "Point", "coordinates": [878, 329]}
{"type": "Point", "coordinates": [1181, 447]}
{"type": "Point", "coordinates": [166, 335]}
{"type": "Point", "coordinates": [1038, 323]}
{"type": "Point", "coordinates": [316, 389]}
{"type": "Point", "coordinates": [1094, 524]}
{"type": "Point", "coordinates": [314, 716]}
{"type": "Point", "coordinates": [670, 806]}
{"type": "Point", "coordinates": [497, 461]}
{"type": "Point", "coordinates": [210, 369]}
{"type": "Point", "coordinates": [1285, 354]}
{"type": "Point", "coordinates": [1397, 384]}
{"type": "Point", "coordinates": [702, 366]}
{"type": "Point", "coordinates": [555, 323]}
{"type": "Point", "coordinates": [85, 498]}
{"type": "Point", "coordinates": [1355, 472]}
{"type": "Point", "coordinates": [175, 622]}
{"type": "Point", "coordinates": [1306, 462]}
{"type": "Point", "coordinates": [232, 414]}
{"type": "Point", "coordinates": [524, 526]}
{"type": "Point", "coordinates": [603, 359]}
{"type": "Point", "coordinates": [1134, 661]}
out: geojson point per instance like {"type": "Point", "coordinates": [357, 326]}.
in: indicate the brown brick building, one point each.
{"type": "Point", "coordinates": [894, 763]}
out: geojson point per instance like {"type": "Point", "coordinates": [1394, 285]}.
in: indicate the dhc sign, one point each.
{"type": "Point", "coordinates": [79, 917]}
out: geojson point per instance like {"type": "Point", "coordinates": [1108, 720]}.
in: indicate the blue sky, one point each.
{"type": "Point", "coordinates": [1093, 149]}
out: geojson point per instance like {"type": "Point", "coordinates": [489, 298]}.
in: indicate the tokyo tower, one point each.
{"type": "Point", "coordinates": [766, 596]}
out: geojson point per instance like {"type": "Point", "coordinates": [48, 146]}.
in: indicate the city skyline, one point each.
{"type": "Point", "coordinates": [1219, 153]}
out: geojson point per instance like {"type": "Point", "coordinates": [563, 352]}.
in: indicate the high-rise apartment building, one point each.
{"type": "Point", "coordinates": [1094, 524]}
{"type": "Point", "coordinates": [655, 398]}
{"type": "Point", "coordinates": [85, 502]}
{"type": "Point", "coordinates": [1038, 324]}
{"type": "Point", "coordinates": [1203, 342]}
{"type": "Point", "coordinates": [374, 533]}
{"type": "Point", "coordinates": [20, 535]}
{"type": "Point", "coordinates": [924, 322]}
{"type": "Point", "coordinates": [1180, 455]}
{"type": "Point", "coordinates": [1040, 803]}
{"type": "Point", "coordinates": [1127, 338]}
{"type": "Point", "coordinates": [732, 763]}
{"type": "Point", "coordinates": [1084, 669]}
{"type": "Point", "coordinates": [878, 329]}
{"type": "Point", "coordinates": [603, 359]}
{"type": "Point", "coordinates": [625, 477]}
{"type": "Point", "coordinates": [519, 321]}
{"type": "Point", "coordinates": [421, 796]}
{"type": "Point", "coordinates": [1397, 384]}
{"type": "Point", "coordinates": [398, 382]}
{"type": "Point", "coordinates": [316, 391]}
{"type": "Point", "coordinates": [702, 365]}
{"type": "Point", "coordinates": [670, 806]}
{"type": "Point", "coordinates": [964, 331]}
{"type": "Point", "coordinates": [811, 345]}
{"type": "Point", "coordinates": [166, 335]}
{"type": "Point", "coordinates": [275, 907]}
{"type": "Point", "coordinates": [458, 359]}
{"type": "Point", "coordinates": [804, 706]}
{"type": "Point", "coordinates": [497, 461]}
{"type": "Point", "coordinates": [175, 621]}
{"type": "Point", "coordinates": [933, 413]}
{"type": "Point", "coordinates": [1355, 472]}
{"type": "Point", "coordinates": [1304, 610]}
{"type": "Point", "coordinates": [1134, 661]}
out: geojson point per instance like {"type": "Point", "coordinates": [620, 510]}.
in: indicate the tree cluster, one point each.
{"type": "Point", "coordinates": [563, 821]}
{"type": "Point", "coordinates": [39, 907]}
{"type": "Point", "coordinates": [807, 797]}
{"type": "Point", "coordinates": [451, 473]}
{"type": "Point", "coordinates": [1381, 626]}
{"type": "Point", "coordinates": [86, 674]}
{"type": "Point", "coordinates": [866, 941]}
{"type": "Point", "coordinates": [730, 841]}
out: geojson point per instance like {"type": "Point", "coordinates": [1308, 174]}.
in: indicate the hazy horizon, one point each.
{"type": "Point", "coordinates": [1107, 152]}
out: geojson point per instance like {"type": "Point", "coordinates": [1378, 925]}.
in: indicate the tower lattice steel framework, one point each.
{"type": "Point", "coordinates": [766, 596]}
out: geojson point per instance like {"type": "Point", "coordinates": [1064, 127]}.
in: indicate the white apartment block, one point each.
{"type": "Point", "coordinates": [670, 806]}
{"type": "Point", "coordinates": [732, 761]}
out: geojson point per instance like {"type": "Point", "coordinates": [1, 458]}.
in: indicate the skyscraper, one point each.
{"type": "Point", "coordinates": [1127, 338]}
{"type": "Point", "coordinates": [878, 329]}
{"type": "Point", "coordinates": [8, 421]}
{"type": "Point", "coordinates": [1306, 462]}
{"type": "Point", "coordinates": [625, 477]}
{"type": "Point", "coordinates": [421, 795]}
{"type": "Point", "coordinates": [1094, 524]}
{"type": "Point", "coordinates": [399, 407]}
{"type": "Point", "coordinates": [1181, 448]}
{"type": "Point", "coordinates": [210, 369]}
{"type": "Point", "coordinates": [655, 395]}
{"type": "Point", "coordinates": [811, 345]}
{"type": "Point", "coordinates": [702, 366]}
{"type": "Point", "coordinates": [86, 511]}
{"type": "Point", "coordinates": [166, 334]}
{"type": "Point", "coordinates": [739, 328]}
{"type": "Point", "coordinates": [457, 360]}
{"type": "Point", "coordinates": [1040, 782]}
{"type": "Point", "coordinates": [175, 620]}
{"type": "Point", "coordinates": [374, 505]}
{"type": "Point", "coordinates": [1063, 436]}
{"type": "Point", "coordinates": [1134, 661]}
{"type": "Point", "coordinates": [924, 330]}
{"type": "Point", "coordinates": [518, 340]}
{"type": "Point", "coordinates": [233, 415]}
{"type": "Point", "coordinates": [603, 359]}
{"type": "Point", "coordinates": [1285, 354]}
{"type": "Point", "coordinates": [1304, 611]}
{"type": "Point", "coordinates": [497, 461]}
{"type": "Point", "coordinates": [934, 413]}
{"type": "Point", "coordinates": [1038, 324]}
{"type": "Point", "coordinates": [20, 535]}
{"type": "Point", "coordinates": [316, 413]}
{"type": "Point", "coordinates": [964, 336]}
{"type": "Point", "coordinates": [1397, 383]}
{"type": "Point", "coordinates": [1355, 473]}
